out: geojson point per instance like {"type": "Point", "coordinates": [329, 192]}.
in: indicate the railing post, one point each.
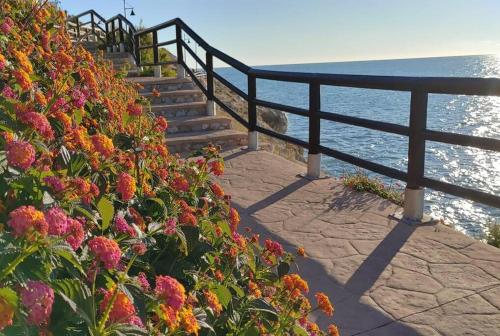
{"type": "Point", "coordinates": [314, 156]}
{"type": "Point", "coordinates": [181, 73]}
{"type": "Point", "coordinates": [253, 135]}
{"type": "Point", "coordinates": [113, 38]}
{"type": "Point", "coordinates": [77, 28]}
{"type": "Point", "coordinates": [109, 48]}
{"type": "Point", "coordinates": [122, 37]}
{"type": "Point", "coordinates": [156, 56]}
{"type": "Point", "coordinates": [414, 192]}
{"type": "Point", "coordinates": [211, 107]}
{"type": "Point", "coordinates": [137, 51]}
{"type": "Point", "coordinates": [92, 23]}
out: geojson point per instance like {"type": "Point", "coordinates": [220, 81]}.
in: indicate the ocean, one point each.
{"type": "Point", "coordinates": [470, 115]}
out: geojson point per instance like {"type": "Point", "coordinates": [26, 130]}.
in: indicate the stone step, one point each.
{"type": "Point", "coordinates": [196, 124]}
{"type": "Point", "coordinates": [163, 84]}
{"type": "Point", "coordinates": [191, 141]}
{"type": "Point", "coordinates": [121, 61]}
{"type": "Point", "coordinates": [180, 110]}
{"type": "Point", "coordinates": [175, 97]}
{"type": "Point", "coordinates": [115, 55]}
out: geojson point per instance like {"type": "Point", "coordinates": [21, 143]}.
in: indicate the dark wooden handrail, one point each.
{"type": "Point", "coordinates": [416, 131]}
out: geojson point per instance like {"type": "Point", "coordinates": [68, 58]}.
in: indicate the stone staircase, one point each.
{"type": "Point", "coordinates": [185, 107]}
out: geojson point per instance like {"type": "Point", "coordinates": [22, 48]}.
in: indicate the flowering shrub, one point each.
{"type": "Point", "coordinates": [106, 233]}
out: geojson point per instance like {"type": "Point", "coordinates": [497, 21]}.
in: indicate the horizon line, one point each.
{"type": "Point", "coordinates": [367, 60]}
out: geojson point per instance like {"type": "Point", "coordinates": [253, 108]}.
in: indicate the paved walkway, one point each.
{"type": "Point", "coordinates": [384, 277]}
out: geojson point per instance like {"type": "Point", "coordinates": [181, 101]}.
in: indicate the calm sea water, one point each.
{"type": "Point", "coordinates": [471, 115]}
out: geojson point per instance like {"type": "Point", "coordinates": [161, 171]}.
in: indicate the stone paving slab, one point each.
{"type": "Point", "coordinates": [385, 277]}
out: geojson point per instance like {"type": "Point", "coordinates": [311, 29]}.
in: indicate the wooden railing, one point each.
{"type": "Point", "coordinates": [416, 131]}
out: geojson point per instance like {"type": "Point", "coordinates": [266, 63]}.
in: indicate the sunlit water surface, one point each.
{"type": "Point", "coordinates": [471, 115]}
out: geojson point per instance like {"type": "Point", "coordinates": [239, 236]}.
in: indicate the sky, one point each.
{"type": "Point", "coordinates": [264, 32]}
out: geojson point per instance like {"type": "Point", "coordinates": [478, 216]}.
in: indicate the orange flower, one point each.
{"type": "Point", "coordinates": [23, 79]}
{"type": "Point", "coordinates": [333, 330]}
{"type": "Point", "coordinates": [301, 252]}
{"type": "Point", "coordinates": [234, 219]}
{"type": "Point", "coordinates": [189, 322]}
{"type": "Point", "coordinates": [217, 190]}
{"type": "Point", "coordinates": [126, 186]}
{"type": "Point", "coordinates": [213, 302]}
{"type": "Point", "coordinates": [6, 313]}
{"type": "Point", "coordinates": [103, 145]}
{"type": "Point", "coordinates": [216, 167]}
{"type": "Point", "coordinates": [24, 62]}
{"type": "Point", "coordinates": [254, 290]}
{"type": "Point", "coordinates": [324, 303]}
{"type": "Point", "coordinates": [295, 284]}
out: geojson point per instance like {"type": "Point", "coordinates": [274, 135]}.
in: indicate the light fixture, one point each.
{"type": "Point", "coordinates": [125, 8]}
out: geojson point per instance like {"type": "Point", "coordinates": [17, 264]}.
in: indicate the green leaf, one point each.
{"type": "Point", "coordinates": [223, 294]}
{"type": "Point", "coordinates": [283, 268]}
{"type": "Point", "coordinates": [261, 305]}
{"type": "Point", "coordinates": [126, 330]}
{"type": "Point", "coordinates": [299, 331]}
{"type": "Point", "coordinates": [155, 208]}
{"type": "Point", "coordinates": [10, 296]}
{"type": "Point", "coordinates": [107, 211]}
{"type": "Point", "coordinates": [239, 291]}
{"type": "Point", "coordinates": [76, 164]}
{"type": "Point", "coordinates": [78, 114]}
{"type": "Point", "coordinates": [252, 331]}
{"type": "Point", "coordinates": [65, 251]}
{"type": "Point", "coordinates": [77, 296]}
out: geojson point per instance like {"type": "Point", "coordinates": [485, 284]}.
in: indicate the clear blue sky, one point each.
{"type": "Point", "coordinates": [262, 32]}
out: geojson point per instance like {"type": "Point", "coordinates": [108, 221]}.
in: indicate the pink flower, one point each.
{"type": "Point", "coordinates": [139, 248]}
{"type": "Point", "coordinates": [37, 298]}
{"type": "Point", "coordinates": [274, 248]}
{"type": "Point", "coordinates": [75, 233]}
{"type": "Point", "coordinates": [170, 226]}
{"type": "Point", "coordinates": [180, 183]}
{"type": "Point", "coordinates": [79, 98]}
{"type": "Point", "coordinates": [7, 25]}
{"type": "Point", "coordinates": [106, 250]}
{"type": "Point", "coordinates": [171, 291]}
{"type": "Point", "coordinates": [7, 92]}
{"type": "Point", "coordinates": [57, 220]}
{"type": "Point", "coordinates": [143, 281]}
{"type": "Point", "coordinates": [136, 320]}
{"type": "Point", "coordinates": [39, 123]}
{"type": "Point", "coordinates": [55, 183]}
{"type": "Point", "coordinates": [121, 226]}
{"type": "Point", "coordinates": [20, 154]}
{"type": "Point", "coordinates": [161, 124]}
{"type": "Point", "coordinates": [134, 109]}
{"type": "Point", "coordinates": [26, 219]}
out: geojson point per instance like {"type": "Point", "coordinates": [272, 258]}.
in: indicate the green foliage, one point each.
{"type": "Point", "coordinates": [493, 235]}
{"type": "Point", "coordinates": [361, 182]}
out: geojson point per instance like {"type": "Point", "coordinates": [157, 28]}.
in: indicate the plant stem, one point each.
{"type": "Point", "coordinates": [121, 280]}
{"type": "Point", "coordinates": [18, 260]}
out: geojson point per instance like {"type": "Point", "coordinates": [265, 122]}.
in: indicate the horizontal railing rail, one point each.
{"type": "Point", "coordinates": [416, 131]}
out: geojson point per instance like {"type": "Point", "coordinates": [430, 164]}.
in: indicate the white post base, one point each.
{"type": "Point", "coordinates": [157, 70]}
{"type": "Point", "coordinates": [115, 48]}
{"type": "Point", "coordinates": [181, 72]}
{"type": "Point", "coordinates": [314, 166]}
{"type": "Point", "coordinates": [122, 47]}
{"type": "Point", "coordinates": [253, 140]}
{"type": "Point", "coordinates": [414, 204]}
{"type": "Point", "coordinates": [211, 108]}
